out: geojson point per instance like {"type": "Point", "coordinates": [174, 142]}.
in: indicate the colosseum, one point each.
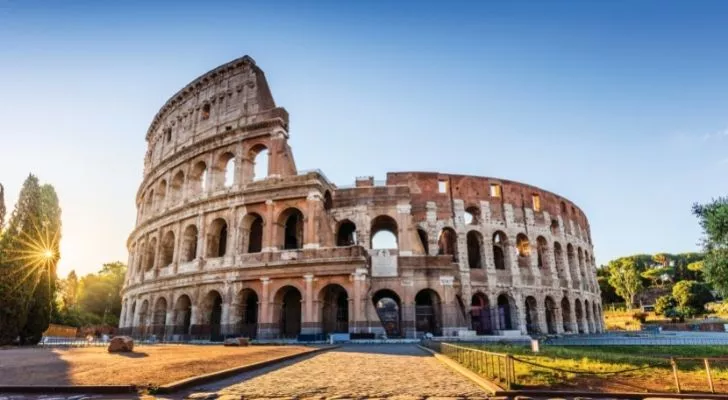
{"type": "Point", "coordinates": [231, 239]}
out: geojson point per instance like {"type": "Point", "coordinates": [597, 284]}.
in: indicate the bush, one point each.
{"type": "Point", "coordinates": [691, 297]}
{"type": "Point", "coordinates": [664, 303]}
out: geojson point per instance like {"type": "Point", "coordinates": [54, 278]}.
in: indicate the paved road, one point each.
{"type": "Point", "coordinates": [352, 371]}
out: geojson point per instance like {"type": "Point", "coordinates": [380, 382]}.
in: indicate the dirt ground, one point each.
{"type": "Point", "coordinates": [146, 366]}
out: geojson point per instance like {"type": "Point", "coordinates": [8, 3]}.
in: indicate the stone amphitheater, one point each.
{"type": "Point", "coordinates": [231, 239]}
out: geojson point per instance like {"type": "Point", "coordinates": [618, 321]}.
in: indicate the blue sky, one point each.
{"type": "Point", "coordinates": [620, 106]}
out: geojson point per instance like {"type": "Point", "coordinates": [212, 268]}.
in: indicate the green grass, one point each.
{"type": "Point", "coordinates": [607, 359]}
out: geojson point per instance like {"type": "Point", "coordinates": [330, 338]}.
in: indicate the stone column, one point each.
{"type": "Point", "coordinates": [308, 321]}
{"type": "Point", "coordinates": [209, 176]}
{"type": "Point", "coordinates": [541, 312]}
{"type": "Point", "coordinates": [157, 254]}
{"type": "Point", "coordinates": [573, 322]}
{"type": "Point", "coordinates": [559, 320]}
{"type": "Point", "coordinates": [313, 207]}
{"type": "Point", "coordinates": [265, 319]}
{"type": "Point", "coordinates": [360, 276]}
{"type": "Point", "coordinates": [270, 228]}
{"type": "Point", "coordinates": [404, 224]}
{"type": "Point", "coordinates": [177, 247]}
{"type": "Point", "coordinates": [200, 239]}
{"type": "Point", "coordinates": [521, 312]}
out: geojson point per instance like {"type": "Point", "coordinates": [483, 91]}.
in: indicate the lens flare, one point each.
{"type": "Point", "coordinates": [37, 251]}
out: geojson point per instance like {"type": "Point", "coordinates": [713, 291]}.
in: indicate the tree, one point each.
{"type": "Point", "coordinates": [18, 270]}
{"type": "Point", "coordinates": [608, 294]}
{"type": "Point", "coordinates": [691, 297]}
{"type": "Point", "coordinates": [70, 290]}
{"type": "Point", "coordinates": [100, 294]}
{"type": "Point", "coordinates": [664, 304]}
{"type": "Point", "coordinates": [713, 219]}
{"type": "Point", "coordinates": [43, 295]}
{"type": "Point", "coordinates": [625, 279]}
{"type": "Point", "coordinates": [658, 275]}
{"type": "Point", "coordinates": [2, 208]}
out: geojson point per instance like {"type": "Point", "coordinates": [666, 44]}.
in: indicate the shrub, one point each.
{"type": "Point", "coordinates": [691, 297]}
{"type": "Point", "coordinates": [664, 303]}
{"type": "Point", "coordinates": [640, 316]}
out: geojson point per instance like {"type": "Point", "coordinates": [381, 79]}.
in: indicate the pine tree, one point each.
{"type": "Point", "coordinates": [16, 279]}
{"type": "Point", "coordinates": [2, 208]}
{"type": "Point", "coordinates": [41, 303]}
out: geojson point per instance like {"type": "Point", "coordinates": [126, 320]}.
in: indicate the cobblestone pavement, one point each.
{"type": "Point", "coordinates": [352, 371]}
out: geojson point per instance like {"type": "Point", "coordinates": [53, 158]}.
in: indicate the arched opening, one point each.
{"type": "Point", "coordinates": [159, 317]}
{"type": "Point", "coordinates": [580, 259]}
{"type": "Point", "coordinates": [212, 308]}
{"type": "Point", "coordinates": [423, 239]}
{"type": "Point", "coordinates": [205, 113]}
{"type": "Point", "coordinates": [168, 248]}
{"type": "Point", "coordinates": [259, 155]}
{"type": "Point", "coordinates": [198, 176]}
{"type": "Point", "coordinates": [328, 201]}
{"type": "Point", "coordinates": [505, 319]}
{"type": "Point", "coordinates": [346, 234]}
{"type": "Point", "coordinates": [161, 194]}
{"type": "Point", "coordinates": [291, 222]}
{"type": "Point", "coordinates": [176, 186]}
{"type": "Point", "coordinates": [596, 318]}
{"type": "Point", "coordinates": [182, 315]}
{"type": "Point", "coordinates": [588, 315]}
{"type": "Point", "coordinates": [334, 309]}
{"type": "Point", "coordinates": [475, 245]}
{"type": "Point", "coordinates": [189, 243]}
{"type": "Point", "coordinates": [384, 233]}
{"type": "Point", "coordinates": [149, 202]}
{"type": "Point", "coordinates": [566, 314]}
{"type": "Point", "coordinates": [571, 257]}
{"type": "Point", "coordinates": [253, 233]}
{"type": "Point", "coordinates": [480, 314]}
{"type": "Point", "coordinates": [217, 239]}
{"type": "Point", "coordinates": [389, 310]}
{"type": "Point", "coordinates": [472, 215]}
{"type": "Point", "coordinates": [541, 252]}
{"type": "Point", "coordinates": [579, 316]}
{"type": "Point", "coordinates": [550, 306]}
{"type": "Point", "coordinates": [447, 243]}
{"type": "Point", "coordinates": [151, 255]}
{"type": "Point", "coordinates": [225, 170]}
{"type": "Point", "coordinates": [130, 318]}
{"type": "Point", "coordinates": [248, 303]}
{"type": "Point", "coordinates": [144, 316]}
{"type": "Point", "coordinates": [559, 259]}
{"type": "Point", "coordinates": [288, 301]}
{"type": "Point", "coordinates": [523, 246]}
{"type": "Point", "coordinates": [499, 244]}
{"type": "Point", "coordinates": [532, 326]}
{"type": "Point", "coordinates": [428, 318]}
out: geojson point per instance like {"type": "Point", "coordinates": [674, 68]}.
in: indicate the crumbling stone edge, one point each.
{"type": "Point", "coordinates": [213, 376]}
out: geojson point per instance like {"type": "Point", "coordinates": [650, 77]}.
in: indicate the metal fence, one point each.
{"type": "Point", "coordinates": [497, 367]}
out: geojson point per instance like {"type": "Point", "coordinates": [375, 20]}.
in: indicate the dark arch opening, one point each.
{"type": "Point", "coordinates": [389, 311]}
{"type": "Point", "coordinates": [248, 313]}
{"type": "Point", "coordinates": [292, 229]}
{"type": "Point", "coordinates": [480, 314]}
{"type": "Point", "coordinates": [566, 314]}
{"type": "Point", "coordinates": [423, 239]}
{"type": "Point", "coordinates": [475, 245]}
{"type": "Point", "coordinates": [504, 313]}
{"type": "Point", "coordinates": [532, 324]}
{"type": "Point", "coordinates": [550, 315]}
{"type": "Point", "coordinates": [218, 238]}
{"type": "Point", "coordinates": [334, 309]}
{"type": "Point", "coordinates": [189, 244]}
{"type": "Point", "coordinates": [255, 235]}
{"type": "Point", "coordinates": [289, 321]}
{"type": "Point", "coordinates": [427, 312]}
{"type": "Point", "coordinates": [499, 243]}
{"type": "Point", "coordinates": [346, 235]}
{"type": "Point", "coordinates": [447, 243]}
{"type": "Point", "coordinates": [183, 316]}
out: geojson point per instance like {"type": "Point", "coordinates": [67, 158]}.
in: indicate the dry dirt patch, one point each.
{"type": "Point", "coordinates": [147, 365]}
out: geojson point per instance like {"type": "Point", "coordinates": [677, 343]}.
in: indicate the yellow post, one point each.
{"type": "Point", "coordinates": [674, 373]}
{"type": "Point", "coordinates": [710, 378]}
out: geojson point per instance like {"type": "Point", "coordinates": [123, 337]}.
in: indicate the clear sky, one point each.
{"type": "Point", "coordinates": [620, 106]}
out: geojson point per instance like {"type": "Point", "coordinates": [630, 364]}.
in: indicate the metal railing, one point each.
{"type": "Point", "coordinates": [497, 367]}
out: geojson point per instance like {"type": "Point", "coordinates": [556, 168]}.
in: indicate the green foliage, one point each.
{"type": "Point", "coordinates": [713, 219]}
{"type": "Point", "coordinates": [640, 316]}
{"type": "Point", "coordinates": [658, 275]}
{"type": "Point", "coordinates": [94, 299]}
{"type": "Point", "coordinates": [2, 208]}
{"type": "Point", "coordinates": [664, 303]}
{"type": "Point", "coordinates": [691, 297]}
{"type": "Point", "coordinates": [624, 278]}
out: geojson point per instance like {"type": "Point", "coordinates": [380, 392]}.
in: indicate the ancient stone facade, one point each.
{"type": "Point", "coordinates": [218, 250]}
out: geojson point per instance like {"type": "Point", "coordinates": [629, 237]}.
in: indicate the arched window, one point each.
{"type": "Point", "coordinates": [189, 243]}
{"type": "Point", "coordinates": [475, 245]}
{"type": "Point", "coordinates": [472, 216]}
{"type": "Point", "coordinates": [423, 239]}
{"type": "Point", "coordinates": [175, 187]}
{"type": "Point", "coordinates": [253, 233]}
{"type": "Point", "coordinates": [161, 194]}
{"type": "Point", "coordinates": [151, 254]}
{"type": "Point", "coordinates": [205, 114]}
{"type": "Point", "coordinates": [571, 258]}
{"type": "Point", "coordinates": [384, 233]}
{"type": "Point", "coordinates": [447, 243]}
{"type": "Point", "coordinates": [168, 248]}
{"type": "Point", "coordinates": [149, 202]}
{"type": "Point", "coordinates": [542, 250]}
{"type": "Point", "coordinates": [291, 223]}
{"type": "Point", "coordinates": [346, 235]}
{"type": "Point", "coordinates": [559, 259]}
{"type": "Point", "coordinates": [523, 246]}
{"type": "Point", "coordinates": [328, 201]}
{"type": "Point", "coordinates": [225, 170]}
{"type": "Point", "coordinates": [217, 244]}
{"type": "Point", "coordinates": [259, 155]}
{"type": "Point", "coordinates": [499, 244]}
{"type": "Point", "coordinates": [198, 178]}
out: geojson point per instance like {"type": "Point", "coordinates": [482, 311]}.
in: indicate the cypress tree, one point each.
{"type": "Point", "coordinates": [2, 208]}
{"type": "Point", "coordinates": [17, 280]}
{"type": "Point", "coordinates": [41, 302]}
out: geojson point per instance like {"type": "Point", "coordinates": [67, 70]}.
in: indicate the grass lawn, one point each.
{"type": "Point", "coordinates": [657, 377]}
{"type": "Point", "coordinates": [146, 366]}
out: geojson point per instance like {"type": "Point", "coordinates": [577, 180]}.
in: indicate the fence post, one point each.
{"type": "Point", "coordinates": [509, 364]}
{"type": "Point", "coordinates": [674, 373]}
{"type": "Point", "coordinates": [710, 378]}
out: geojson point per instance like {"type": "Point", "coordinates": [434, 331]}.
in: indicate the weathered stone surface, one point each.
{"type": "Point", "coordinates": [214, 238]}
{"type": "Point", "coordinates": [203, 396]}
{"type": "Point", "coordinates": [121, 344]}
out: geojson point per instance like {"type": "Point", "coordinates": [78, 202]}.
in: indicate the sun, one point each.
{"type": "Point", "coordinates": [37, 252]}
